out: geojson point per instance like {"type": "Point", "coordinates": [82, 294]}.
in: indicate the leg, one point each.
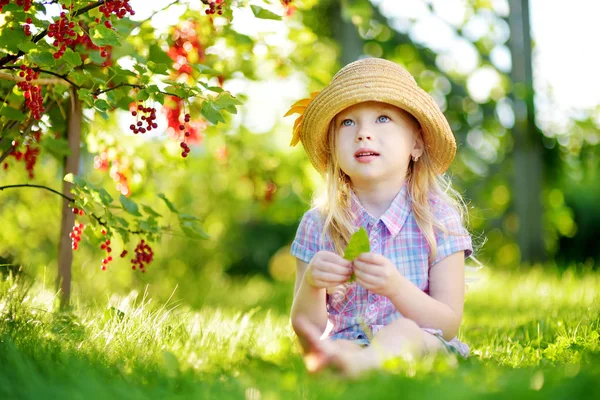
{"type": "Point", "coordinates": [402, 337]}
{"type": "Point", "coordinates": [319, 353]}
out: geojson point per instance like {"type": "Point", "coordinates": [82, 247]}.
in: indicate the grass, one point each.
{"type": "Point", "coordinates": [532, 335]}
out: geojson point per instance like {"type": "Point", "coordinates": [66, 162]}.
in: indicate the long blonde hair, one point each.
{"type": "Point", "coordinates": [334, 199]}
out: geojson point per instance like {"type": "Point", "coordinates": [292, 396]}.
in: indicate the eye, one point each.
{"type": "Point", "coordinates": [347, 122]}
{"type": "Point", "coordinates": [383, 118]}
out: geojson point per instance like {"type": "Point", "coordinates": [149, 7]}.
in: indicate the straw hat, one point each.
{"type": "Point", "coordinates": [371, 79]}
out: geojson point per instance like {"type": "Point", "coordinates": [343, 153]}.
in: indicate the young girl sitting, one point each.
{"type": "Point", "coordinates": [382, 145]}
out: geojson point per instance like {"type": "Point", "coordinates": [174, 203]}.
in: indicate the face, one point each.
{"type": "Point", "coordinates": [375, 142]}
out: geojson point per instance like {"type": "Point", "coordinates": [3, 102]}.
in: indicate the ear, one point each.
{"type": "Point", "coordinates": [419, 146]}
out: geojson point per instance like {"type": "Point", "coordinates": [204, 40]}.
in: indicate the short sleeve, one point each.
{"type": "Point", "coordinates": [456, 238]}
{"type": "Point", "coordinates": [308, 238]}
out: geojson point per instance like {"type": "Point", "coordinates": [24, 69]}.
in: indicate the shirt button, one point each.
{"type": "Point", "coordinates": [371, 307]}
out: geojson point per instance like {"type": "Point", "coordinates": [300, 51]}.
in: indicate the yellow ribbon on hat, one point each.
{"type": "Point", "coordinates": [299, 107]}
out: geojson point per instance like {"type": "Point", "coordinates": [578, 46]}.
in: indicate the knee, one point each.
{"type": "Point", "coordinates": [408, 328]}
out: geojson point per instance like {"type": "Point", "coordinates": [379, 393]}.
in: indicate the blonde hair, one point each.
{"type": "Point", "coordinates": [423, 184]}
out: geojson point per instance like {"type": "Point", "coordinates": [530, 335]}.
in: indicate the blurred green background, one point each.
{"type": "Point", "coordinates": [250, 188]}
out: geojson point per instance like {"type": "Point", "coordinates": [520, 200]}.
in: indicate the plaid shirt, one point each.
{"type": "Point", "coordinates": [396, 235]}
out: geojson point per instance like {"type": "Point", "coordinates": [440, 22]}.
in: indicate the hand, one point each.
{"type": "Point", "coordinates": [376, 273]}
{"type": "Point", "coordinates": [327, 269]}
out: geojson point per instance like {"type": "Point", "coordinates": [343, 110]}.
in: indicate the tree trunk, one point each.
{"type": "Point", "coordinates": [71, 163]}
{"type": "Point", "coordinates": [346, 34]}
{"type": "Point", "coordinates": [527, 183]}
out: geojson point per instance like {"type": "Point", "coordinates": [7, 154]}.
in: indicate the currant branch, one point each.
{"type": "Point", "coordinates": [133, 85]}
{"type": "Point", "coordinates": [38, 81]}
{"type": "Point", "coordinates": [13, 57]}
{"type": "Point", "coordinates": [70, 199]}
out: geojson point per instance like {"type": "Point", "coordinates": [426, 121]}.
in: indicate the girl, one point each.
{"type": "Point", "coordinates": [383, 145]}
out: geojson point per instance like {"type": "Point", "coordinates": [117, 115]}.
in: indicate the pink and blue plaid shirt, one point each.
{"type": "Point", "coordinates": [397, 236]}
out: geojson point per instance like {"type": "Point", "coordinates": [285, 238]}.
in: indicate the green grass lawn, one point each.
{"type": "Point", "coordinates": [532, 335]}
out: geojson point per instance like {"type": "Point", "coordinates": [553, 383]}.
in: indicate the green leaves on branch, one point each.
{"type": "Point", "coordinates": [99, 206]}
{"type": "Point", "coordinates": [263, 13]}
{"type": "Point", "coordinates": [212, 109]}
{"type": "Point", "coordinates": [103, 36]}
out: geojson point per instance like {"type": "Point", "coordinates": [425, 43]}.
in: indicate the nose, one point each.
{"type": "Point", "coordinates": [363, 134]}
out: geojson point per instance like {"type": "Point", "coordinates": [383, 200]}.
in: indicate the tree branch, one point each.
{"type": "Point", "coordinates": [38, 187]}
{"type": "Point", "coordinates": [16, 78]}
{"type": "Point", "coordinates": [133, 85]}
{"type": "Point", "coordinates": [65, 197]}
{"type": "Point", "coordinates": [13, 57]}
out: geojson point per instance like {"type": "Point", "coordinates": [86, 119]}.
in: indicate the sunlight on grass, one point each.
{"type": "Point", "coordinates": [528, 332]}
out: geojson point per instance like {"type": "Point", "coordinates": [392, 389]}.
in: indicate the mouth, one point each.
{"type": "Point", "coordinates": [366, 154]}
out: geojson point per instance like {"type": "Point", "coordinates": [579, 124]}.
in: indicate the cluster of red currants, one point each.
{"type": "Point", "coordinates": [75, 235]}
{"type": "Point", "coordinates": [215, 7]}
{"type": "Point", "coordinates": [106, 247]}
{"type": "Point", "coordinates": [78, 211]}
{"type": "Point", "coordinates": [118, 7]}
{"type": "Point", "coordinates": [62, 32]}
{"type": "Point", "coordinates": [26, 4]}
{"type": "Point", "coordinates": [143, 256]}
{"type": "Point", "coordinates": [27, 26]}
{"type": "Point", "coordinates": [30, 156]}
{"type": "Point", "coordinates": [32, 93]}
{"type": "Point", "coordinates": [184, 145]}
{"type": "Point", "coordinates": [149, 117]}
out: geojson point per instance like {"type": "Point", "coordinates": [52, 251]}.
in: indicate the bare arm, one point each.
{"type": "Point", "coordinates": [326, 269]}
{"type": "Point", "coordinates": [443, 308]}
{"type": "Point", "coordinates": [308, 302]}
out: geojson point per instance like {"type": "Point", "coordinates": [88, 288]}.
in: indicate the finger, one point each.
{"type": "Point", "coordinates": [335, 258]}
{"type": "Point", "coordinates": [365, 267]}
{"type": "Point", "coordinates": [371, 258]}
{"type": "Point", "coordinates": [327, 279]}
{"type": "Point", "coordinates": [334, 268]}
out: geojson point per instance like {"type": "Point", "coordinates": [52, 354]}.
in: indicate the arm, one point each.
{"type": "Point", "coordinates": [308, 301]}
{"type": "Point", "coordinates": [442, 309]}
{"type": "Point", "coordinates": [326, 269]}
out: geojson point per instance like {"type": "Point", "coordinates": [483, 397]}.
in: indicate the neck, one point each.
{"type": "Point", "coordinates": [376, 197]}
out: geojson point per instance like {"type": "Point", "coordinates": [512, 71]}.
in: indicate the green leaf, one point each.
{"type": "Point", "coordinates": [12, 113]}
{"type": "Point", "coordinates": [124, 234]}
{"type": "Point", "coordinates": [203, 69]}
{"type": "Point", "coordinates": [26, 46]}
{"type": "Point", "coordinates": [58, 147]}
{"type": "Point", "coordinates": [72, 58]}
{"type": "Point", "coordinates": [102, 36]}
{"type": "Point", "coordinates": [157, 55]}
{"type": "Point", "coordinates": [143, 95]}
{"type": "Point", "coordinates": [227, 101]}
{"type": "Point", "coordinates": [78, 78]}
{"type": "Point", "coordinates": [150, 211]}
{"type": "Point", "coordinates": [74, 179]}
{"type": "Point", "coordinates": [263, 13]}
{"type": "Point", "coordinates": [211, 113]}
{"type": "Point", "coordinates": [11, 36]}
{"type": "Point", "coordinates": [41, 58]}
{"type": "Point", "coordinates": [105, 197]}
{"type": "Point", "coordinates": [167, 202]}
{"type": "Point", "coordinates": [155, 68]}
{"type": "Point", "coordinates": [102, 105]}
{"type": "Point", "coordinates": [193, 230]}
{"type": "Point", "coordinates": [130, 206]}
{"type": "Point", "coordinates": [358, 244]}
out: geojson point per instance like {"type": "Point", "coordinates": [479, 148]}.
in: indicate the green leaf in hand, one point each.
{"type": "Point", "coordinates": [358, 244]}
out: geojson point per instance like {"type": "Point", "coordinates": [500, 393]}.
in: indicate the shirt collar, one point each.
{"type": "Point", "coordinates": [393, 218]}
